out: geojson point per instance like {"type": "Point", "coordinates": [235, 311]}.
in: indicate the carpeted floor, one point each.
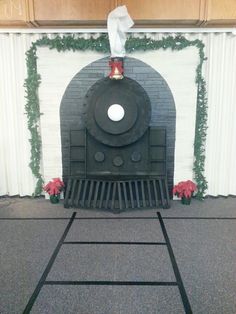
{"type": "Point", "coordinates": [56, 260]}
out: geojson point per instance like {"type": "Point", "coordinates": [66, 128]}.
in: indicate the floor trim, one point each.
{"type": "Point", "coordinates": [117, 218]}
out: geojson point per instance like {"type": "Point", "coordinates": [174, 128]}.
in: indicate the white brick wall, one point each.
{"type": "Point", "coordinates": [178, 68]}
{"type": "Point", "coordinates": [56, 70]}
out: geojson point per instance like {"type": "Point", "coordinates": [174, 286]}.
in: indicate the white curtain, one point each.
{"type": "Point", "coordinates": [220, 165]}
{"type": "Point", "coordinates": [220, 74]}
{"type": "Point", "coordinates": [15, 175]}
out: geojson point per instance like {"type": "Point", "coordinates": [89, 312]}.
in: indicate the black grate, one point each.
{"type": "Point", "coordinates": [117, 195]}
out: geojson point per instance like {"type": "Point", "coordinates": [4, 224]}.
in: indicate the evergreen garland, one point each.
{"type": "Point", "coordinates": [33, 115]}
{"type": "Point", "coordinates": [101, 44]}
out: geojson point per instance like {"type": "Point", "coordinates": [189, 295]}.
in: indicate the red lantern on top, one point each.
{"type": "Point", "coordinates": [117, 69]}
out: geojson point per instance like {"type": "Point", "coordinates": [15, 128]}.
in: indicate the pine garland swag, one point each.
{"type": "Point", "coordinates": [101, 44]}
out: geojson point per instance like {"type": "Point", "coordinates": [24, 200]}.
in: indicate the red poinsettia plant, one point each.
{"type": "Point", "coordinates": [185, 189]}
{"type": "Point", "coordinates": [54, 187]}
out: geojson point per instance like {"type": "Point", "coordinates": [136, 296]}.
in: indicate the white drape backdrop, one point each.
{"type": "Point", "coordinates": [220, 74]}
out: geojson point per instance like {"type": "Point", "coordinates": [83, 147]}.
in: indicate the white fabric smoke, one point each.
{"type": "Point", "coordinates": [118, 23]}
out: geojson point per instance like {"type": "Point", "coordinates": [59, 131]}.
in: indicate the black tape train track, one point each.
{"type": "Point", "coordinates": [48, 268]}
{"type": "Point", "coordinates": [178, 283]}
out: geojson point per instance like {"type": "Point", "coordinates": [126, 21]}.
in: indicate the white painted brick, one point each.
{"type": "Point", "coordinates": [177, 68]}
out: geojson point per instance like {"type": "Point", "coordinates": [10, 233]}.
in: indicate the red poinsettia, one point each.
{"type": "Point", "coordinates": [184, 189]}
{"type": "Point", "coordinates": [54, 187]}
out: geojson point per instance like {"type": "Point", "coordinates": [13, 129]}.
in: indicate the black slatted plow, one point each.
{"type": "Point", "coordinates": [117, 195]}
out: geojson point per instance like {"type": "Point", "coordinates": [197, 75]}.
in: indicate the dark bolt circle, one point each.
{"type": "Point", "coordinates": [99, 156]}
{"type": "Point", "coordinates": [136, 156]}
{"type": "Point", "coordinates": [118, 161]}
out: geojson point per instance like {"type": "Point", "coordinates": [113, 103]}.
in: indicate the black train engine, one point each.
{"type": "Point", "coordinates": [118, 161]}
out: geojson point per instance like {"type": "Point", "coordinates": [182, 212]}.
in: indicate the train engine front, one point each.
{"type": "Point", "coordinates": [118, 161]}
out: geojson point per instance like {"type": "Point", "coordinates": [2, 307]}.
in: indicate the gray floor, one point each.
{"type": "Point", "coordinates": [202, 235]}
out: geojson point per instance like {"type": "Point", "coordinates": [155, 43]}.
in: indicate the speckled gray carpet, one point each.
{"type": "Point", "coordinates": [56, 265]}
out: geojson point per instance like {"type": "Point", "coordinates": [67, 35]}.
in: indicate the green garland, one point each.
{"type": "Point", "coordinates": [101, 44]}
{"type": "Point", "coordinates": [33, 115]}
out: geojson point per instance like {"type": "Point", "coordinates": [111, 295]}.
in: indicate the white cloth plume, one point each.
{"type": "Point", "coordinates": [118, 23]}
